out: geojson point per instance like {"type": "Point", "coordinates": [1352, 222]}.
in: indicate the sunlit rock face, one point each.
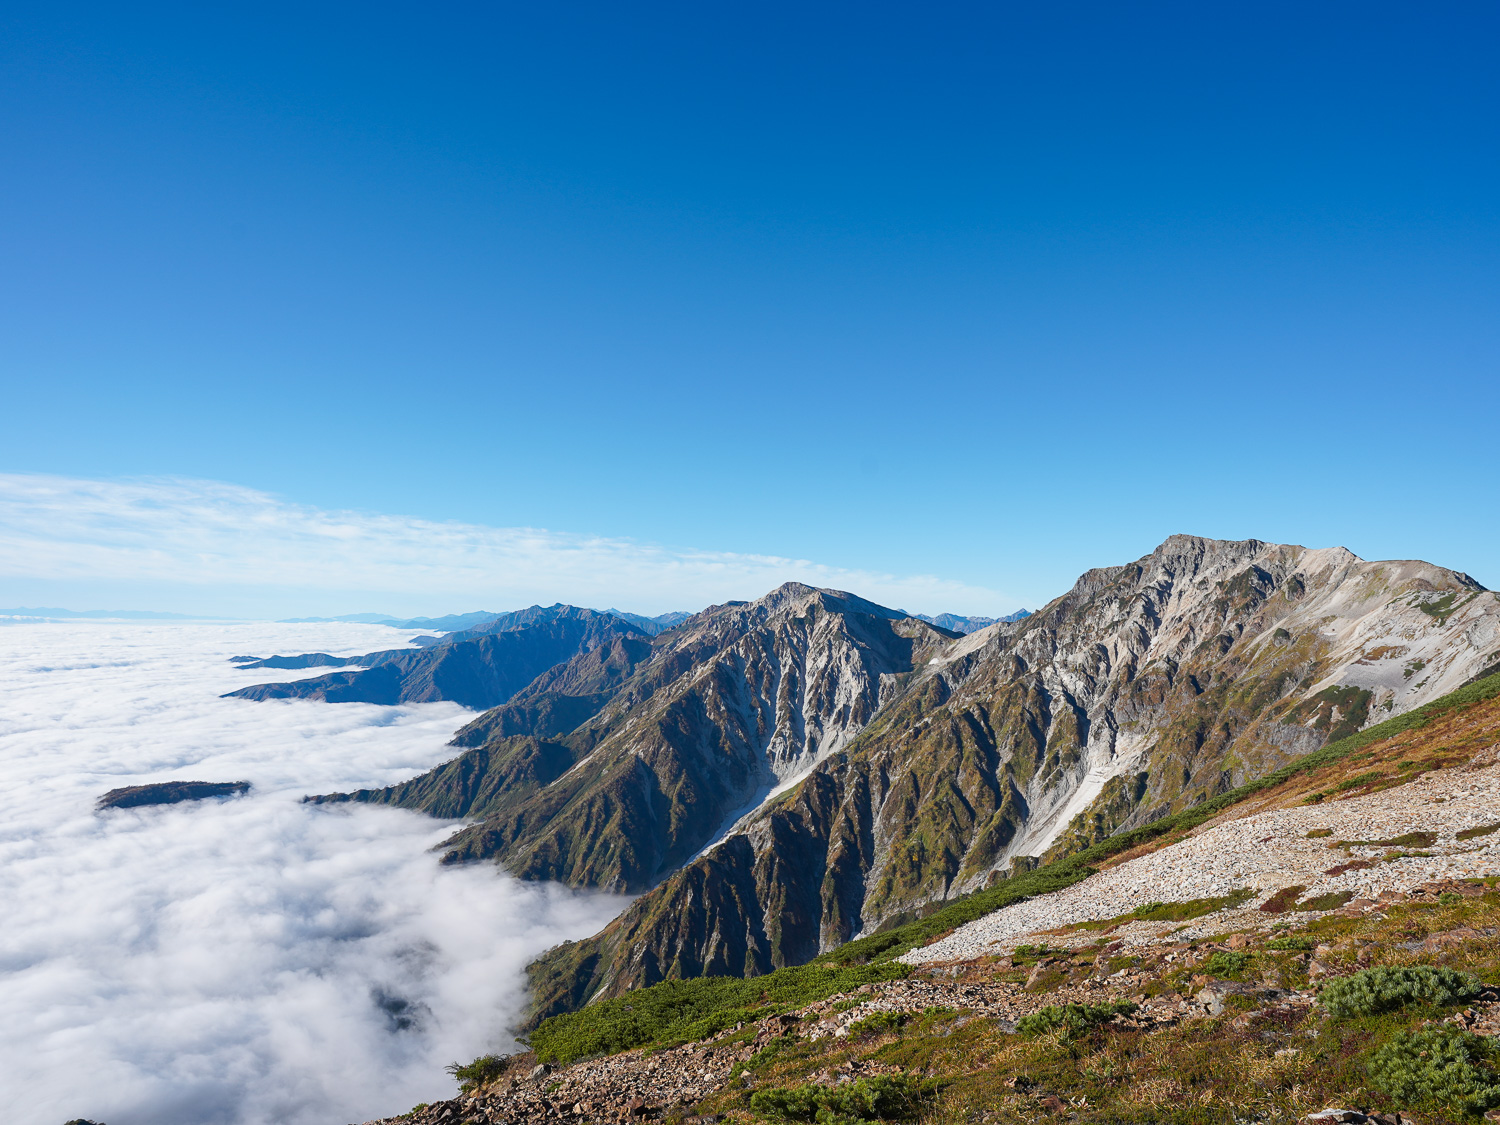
{"type": "Point", "coordinates": [671, 740]}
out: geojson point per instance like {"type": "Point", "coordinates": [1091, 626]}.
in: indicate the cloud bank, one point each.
{"type": "Point", "coordinates": [259, 550]}
{"type": "Point", "coordinates": [247, 961]}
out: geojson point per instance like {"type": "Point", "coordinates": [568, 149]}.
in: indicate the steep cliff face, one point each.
{"type": "Point", "coordinates": [681, 736]}
{"type": "Point", "coordinates": [1145, 688]}
{"type": "Point", "coordinates": [477, 669]}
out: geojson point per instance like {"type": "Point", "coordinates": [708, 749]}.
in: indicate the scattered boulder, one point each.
{"type": "Point", "coordinates": [1334, 1116]}
{"type": "Point", "coordinates": [1436, 943]}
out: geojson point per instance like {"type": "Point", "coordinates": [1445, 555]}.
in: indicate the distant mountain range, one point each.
{"type": "Point", "coordinates": [51, 613]}
{"type": "Point", "coordinates": [449, 623]}
{"type": "Point", "coordinates": [479, 667]}
{"type": "Point", "coordinates": [957, 624]}
{"type": "Point", "coordinates": [457, 622]}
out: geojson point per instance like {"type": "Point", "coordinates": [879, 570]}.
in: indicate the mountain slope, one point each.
{"type": "Point", "coordinates": [1147, 688]}
{"type": "Point", "coordinates": [958, 624]}
{"type": "Point", "coordinates": [691, 733]}
{"type": "Point", "coordinates": [478, 669]}
{"type": "Point", "coordinates": [653, 625]}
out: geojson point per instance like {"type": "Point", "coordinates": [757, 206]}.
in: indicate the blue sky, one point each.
{"type": "Point", "coordinates": [980, 295]}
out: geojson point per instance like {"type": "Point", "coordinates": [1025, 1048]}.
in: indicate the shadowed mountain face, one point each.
{"type": "Point", "coordinates": [680, 735]}
{"type": "Point", "coordinates": [957, 624]}
{"type": "Point", "coordinates": [1145, 689]}
{"type": "Point", "coordinates": [478, 669]}
{"type": "Point", "coordinates": [653, 625]}
{"type": "Point", "coordinates": [170, 793]}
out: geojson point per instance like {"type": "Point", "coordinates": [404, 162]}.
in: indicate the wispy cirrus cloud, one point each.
{"type": "Point", "coordinates": [206, 535]}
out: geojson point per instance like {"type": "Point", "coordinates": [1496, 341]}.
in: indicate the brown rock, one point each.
{"type": "Point", "coordinates": [1449, 938]}
{"type": "Point", "coordinates": [1238, 941]}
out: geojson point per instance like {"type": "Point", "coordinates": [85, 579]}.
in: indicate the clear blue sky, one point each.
{"type": "Point", "coordinates": [993, 292]}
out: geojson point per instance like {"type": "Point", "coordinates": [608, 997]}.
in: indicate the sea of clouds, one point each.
{"type": "Point", "coordinates": [248, 960]}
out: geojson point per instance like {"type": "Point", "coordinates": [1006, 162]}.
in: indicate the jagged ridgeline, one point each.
{"type": "Point", "coordinates": [783, 775]}
{"type": "Point", "coordinates": [478, 667]}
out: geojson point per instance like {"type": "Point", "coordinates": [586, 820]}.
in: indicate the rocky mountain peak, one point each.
{"type": "Point", "coordinates": [1146, 688]}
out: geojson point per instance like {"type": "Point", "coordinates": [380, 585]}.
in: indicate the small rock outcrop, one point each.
{"type": "Point", "coordinates": [170, 793]}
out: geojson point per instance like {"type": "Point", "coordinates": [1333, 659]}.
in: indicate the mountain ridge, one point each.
{"type": "Point", "coordinates": [779, 776]}
{"type": "Point", "coordinates": [478, 668]}
{"type": "Point", "coordinates": [1145, 688]}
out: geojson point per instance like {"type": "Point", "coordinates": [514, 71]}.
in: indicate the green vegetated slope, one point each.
{"type": "Point", "coordinates": [1378, 1038]}
{"type": "Point", "coordinates": [681, 1009]}
{"type": "Point", "coordinates": [1205, 665]}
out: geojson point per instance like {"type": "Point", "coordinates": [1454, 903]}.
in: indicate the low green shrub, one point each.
{"type": "Point", "coordinates": [1407, 840]}
{"type": "Point", "coordinates": [1226, 963]}
{"type": "Point", "coordinates": [1440, 1064]}
{"type": "Point", "coordinates": [486, 1068]}
{"type": "Point", "coordinates": [677, 1011]}
{"type": "Point", "coordinates": [1296, 943]}
{"type": "Point", "coordinates": [1074, 1019]}
{"type": "Point", "coordinates": [1475, 833]}
{"type": "Point", "coordinates": [775, 1049]}
{"type": "Point", "coordinates": [1167, 911]}
{"type": "Point", "coordinates": [1385, 989]}
{"type": "Point", "coordinates": [879, 1098]}
{"type": "Point", "coordinates": [1193, 908]}
{"type": "Point", "coordinates": [878, 1023]}
{"type": "Point", "coordinates": [1289, 899]}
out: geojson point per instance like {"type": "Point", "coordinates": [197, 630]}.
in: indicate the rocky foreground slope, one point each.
{"type": "Point", "coordinates": [1187, 980]}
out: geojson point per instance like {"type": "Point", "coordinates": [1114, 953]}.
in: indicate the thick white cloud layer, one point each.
{"type": "Point", "coordinates": [255, 550]}
{"type": "Point", "coordinates": [251, 960]}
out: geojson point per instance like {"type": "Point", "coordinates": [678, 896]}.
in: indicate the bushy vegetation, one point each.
{"type": "Point", "coordinates": [486, 1068]}
{"type": "Point", "coordinates": [1442, 1065]}
{"type": "Point", "coordinates": [879, 1098]}
{"type": "Point", "coordinates": [677, 1011]}
{"type": "Point", "coordinates": [1296, 943]}
{"type": "Point", "coordinates": [1226, 963]}
{"type": "Point", "coordinates": [1290, 899]}
{"type": "Point", "coordinates": [1389, 988]}
{"type": "Point", "coordinates": [1169, 911]}
{"type": "Point", "coordinates": [1409, 840]}
{"type": "Point", "coordinates": [877, 1023]}
{"type": "Point", "coordinates": [1475, 833]}
{"type": "Point", "coordinates": [1075, 1020]}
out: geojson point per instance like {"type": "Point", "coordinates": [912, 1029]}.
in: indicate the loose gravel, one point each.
{"type": "Point", "coordinates": [1266, 853]}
